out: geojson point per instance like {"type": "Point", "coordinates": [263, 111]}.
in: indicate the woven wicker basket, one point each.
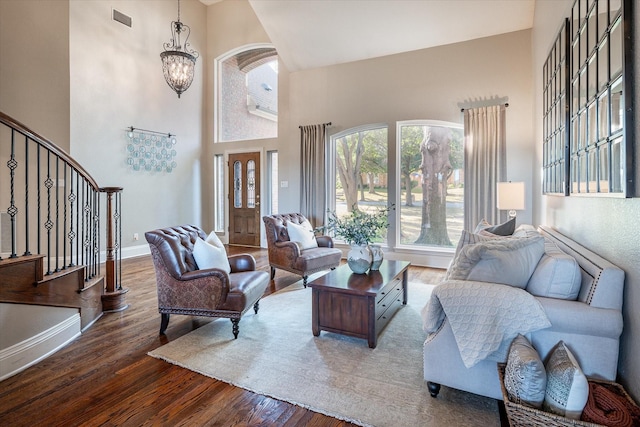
{"type": "Point", "coordinates": [520, 415]}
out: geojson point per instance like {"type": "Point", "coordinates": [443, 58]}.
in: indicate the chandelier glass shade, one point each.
{"type": "Point", "coordinates": [178, 60]}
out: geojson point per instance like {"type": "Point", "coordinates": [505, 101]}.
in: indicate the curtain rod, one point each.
{"type": "Point", "coordinates": [506, 104]}
{"type": "Point", "coordinates": [323, 124]}
{"type": "Point", "coordinates": [131, 129]}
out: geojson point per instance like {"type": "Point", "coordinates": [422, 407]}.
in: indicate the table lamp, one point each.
{"type": "Point", "coordinates": [510, 197]}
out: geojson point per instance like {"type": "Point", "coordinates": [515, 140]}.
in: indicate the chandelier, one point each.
{"type": "Point", "coordinates": [178, 60]}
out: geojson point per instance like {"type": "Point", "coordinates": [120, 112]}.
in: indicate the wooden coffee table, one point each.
{"type": "Point", "coordinates": [358, 305]}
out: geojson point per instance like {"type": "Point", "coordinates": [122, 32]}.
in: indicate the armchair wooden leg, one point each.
{"type": "Point", "coordinates": [256, 306]}
{"type": "Point", "coordinates": [273, 273]}
{"type": "Point", "coordinates": [236, 327]}
{"type": "Point", "coordinates": [434, 388]}
{"type": "Point", "coordinates": [164, 322]}
{"type": "Point", "coordinates": [304, 280]}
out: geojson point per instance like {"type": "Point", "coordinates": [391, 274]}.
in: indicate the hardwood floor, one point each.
{"type": "Point", "coordinates": [104, 377]}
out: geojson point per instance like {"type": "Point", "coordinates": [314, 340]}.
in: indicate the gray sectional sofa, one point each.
{"type": "Point", "coordinates": [590, 325]}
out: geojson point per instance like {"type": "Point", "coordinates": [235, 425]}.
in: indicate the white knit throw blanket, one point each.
{"type": "Point", "coordinates": [484, 317]}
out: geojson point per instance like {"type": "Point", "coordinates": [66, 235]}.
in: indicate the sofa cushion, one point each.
{"type": "Point", "coordinates": [556, 276]}
{"type": "Point", "coordinates": [468, 238]}
{"type": "Point", "coordinates": [302, 234]}
{"type": "Point", "coordinates": [505, 229]}
{"type": "Point", "coordinates": [209, 256]}
{"type": "Point", "coordinates": [525, 377]}
{"type": "Point", "coordinates": [567, 387]}
{"type": "Point", "coordinates": [506, 261]}
{"type": "Point", "coordinates": [525, 230]}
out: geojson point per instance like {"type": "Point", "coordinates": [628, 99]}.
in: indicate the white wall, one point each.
{"type": "Point", "coordinates": [34, 66]}
{"type": "Point", "coordinates": [605, 225]}
{"type": "Point", "coordinates": [117, 82]}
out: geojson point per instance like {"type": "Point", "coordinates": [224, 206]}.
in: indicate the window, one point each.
{"type": "Point", "coordinates": [218, 192]}
{"type": "Point", "coordinates": [272, 182]}
{"type": "Point", "coordinates": [358, 166]}
{"type": "Point", "coordinates": [247, 95]}
{"type": "Point", "coordinates": [431, 180]}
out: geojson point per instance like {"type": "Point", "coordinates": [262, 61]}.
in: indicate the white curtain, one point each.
{"type": "Point", "coordinates": [485, 163]}
{"type": "Point", "coordinates": [312, 173]}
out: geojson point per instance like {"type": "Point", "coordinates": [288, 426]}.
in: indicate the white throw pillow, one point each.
{"type": "Point", "coordinates": [506, 261]}
{"type": "Point", "coordinates": [567, 387]}
{"type": "Point", "coordinates": [214, 240]}
{"type": "Point", "coordinates": [302, 234]}
{"type": "Point", "coordinates": [209, 256]}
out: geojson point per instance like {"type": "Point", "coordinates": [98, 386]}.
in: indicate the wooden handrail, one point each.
{"type": "Point", "coordinates": [50, 146]}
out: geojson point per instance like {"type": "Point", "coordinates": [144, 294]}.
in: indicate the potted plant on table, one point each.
{"type": "Point", "coordinates": [359, 229]}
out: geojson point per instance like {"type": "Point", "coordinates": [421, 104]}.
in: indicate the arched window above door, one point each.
{"type": "Point", "coordinates": [247, 94]}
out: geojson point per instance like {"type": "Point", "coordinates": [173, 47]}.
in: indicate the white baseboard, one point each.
{"type": "Point", "coordinates": [134, 251]}
{"type": "Point", "coordinates": [24, 354]}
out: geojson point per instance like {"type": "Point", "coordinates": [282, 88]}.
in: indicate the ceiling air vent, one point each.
{"type": "Point", "coordinates": [121, 18]}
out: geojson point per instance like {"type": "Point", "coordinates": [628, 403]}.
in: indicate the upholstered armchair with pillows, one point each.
{"type": "Point", "coordinates": [578, 292]}
{"type": "Point", "coordinates": [294, 247]}
{"type": "Point", "coordinates": [195, 277]}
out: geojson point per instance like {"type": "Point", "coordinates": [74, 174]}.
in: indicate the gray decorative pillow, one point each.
{"type": "Point", "coordinates": [505, 229]}
{"type": "Point", "coordinates": [525, 377]}
{"type": "Point", "coordinates": [506, 261]}
{"type": "Point", "coordinates": [567, 387]}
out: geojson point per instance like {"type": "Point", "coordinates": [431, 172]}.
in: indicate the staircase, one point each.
{"type": "Point", "coordinates": [53, 220]}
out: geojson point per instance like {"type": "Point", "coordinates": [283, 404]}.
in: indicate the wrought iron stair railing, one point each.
{"type": "Point", "coordinates": [51, 206]}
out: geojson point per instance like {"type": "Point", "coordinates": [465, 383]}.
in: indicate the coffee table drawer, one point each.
{"type": "Point", "coordinates": [387, 308]}
{"type": "Point", "coordinates": [390, 290]}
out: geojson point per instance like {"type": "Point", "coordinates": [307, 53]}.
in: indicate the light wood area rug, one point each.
{"type": "Point", "coordinates": [277, 355]}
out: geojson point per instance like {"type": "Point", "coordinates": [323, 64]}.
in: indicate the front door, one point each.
{"type": "Point", "coordinates": [244, 199]}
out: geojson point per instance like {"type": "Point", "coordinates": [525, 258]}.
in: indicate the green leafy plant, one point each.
{"type": "Point", "coordinates": [358, 227]}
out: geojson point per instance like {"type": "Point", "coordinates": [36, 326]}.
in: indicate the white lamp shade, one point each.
{"type": "Point", "coordinates": [510, 195]}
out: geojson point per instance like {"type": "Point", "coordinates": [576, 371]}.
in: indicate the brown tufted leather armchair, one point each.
{"type": "Point", "coordinates": [287, 255]}
{"type": "Point", "coordinates": [184, 289]}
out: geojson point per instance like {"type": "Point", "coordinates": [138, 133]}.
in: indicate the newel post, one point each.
{"type": "Point", "coordinates": [113, 298]}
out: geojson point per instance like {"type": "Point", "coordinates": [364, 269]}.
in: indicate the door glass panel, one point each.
{"type": "Point", "coordinates": [432, 184]}
{"type": "Point", "coordinates": [251, 184]}
{"type": "Point", "coordinates": [237, 184]}
{"type": "Point", "coordinates": [359, 169]}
